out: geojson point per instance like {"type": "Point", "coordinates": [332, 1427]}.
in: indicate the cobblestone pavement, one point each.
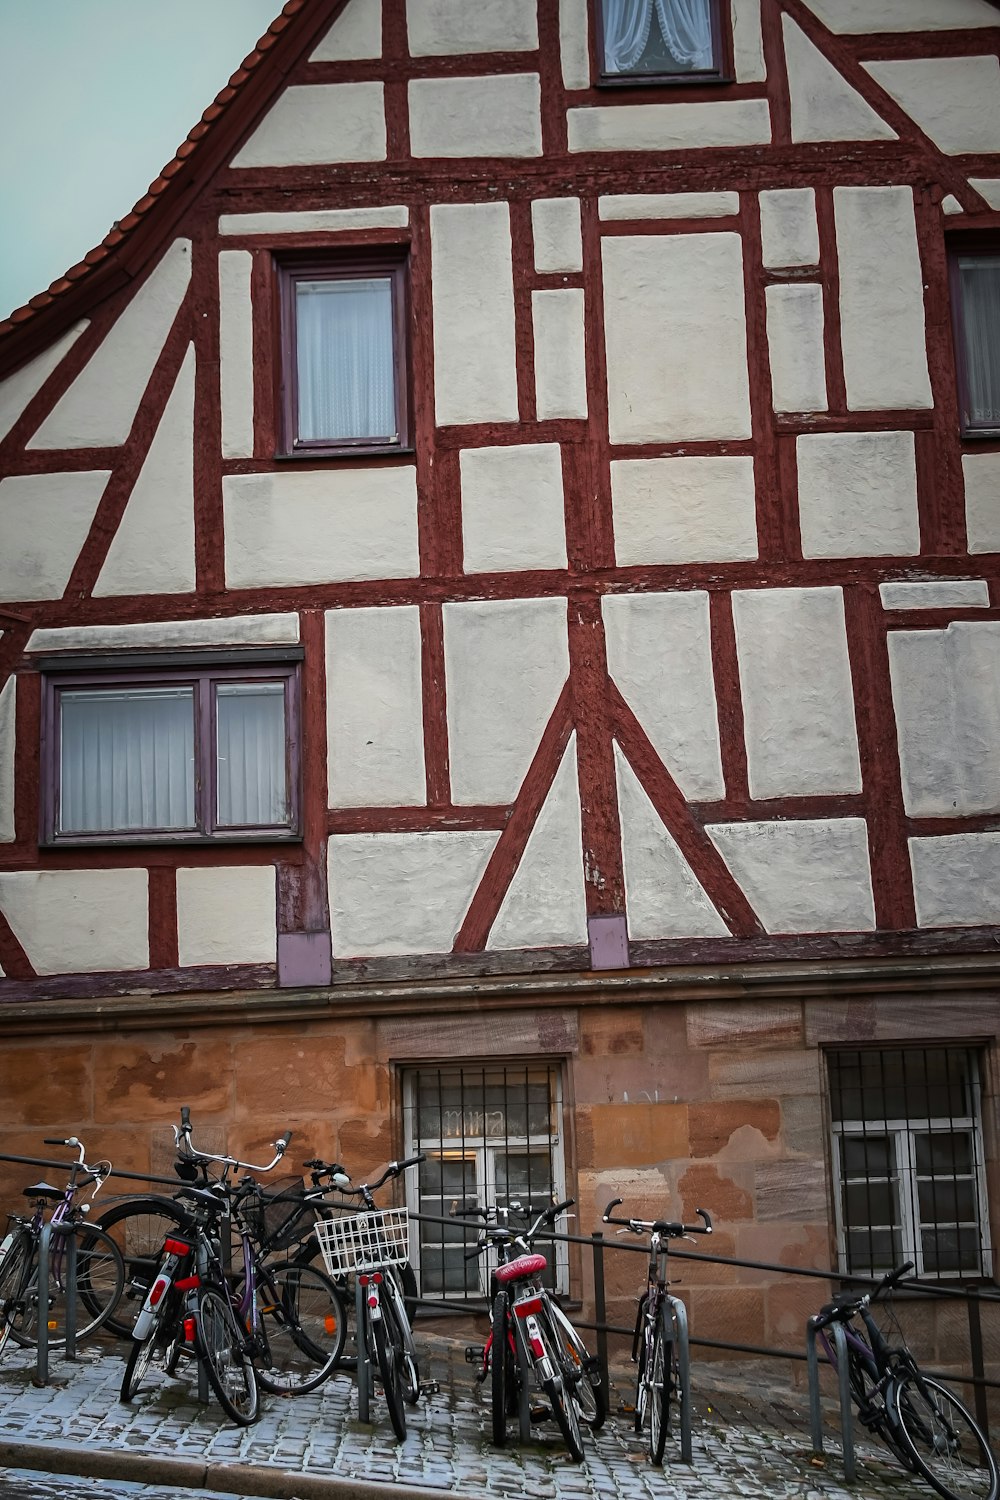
{"type": "Point", "coordinates": [750, 1442]}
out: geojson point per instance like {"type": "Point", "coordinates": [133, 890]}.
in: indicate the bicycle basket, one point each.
{"type": "Point", "coordinates": [365, 1242]}
{"type": "Point", "coordinates": [276, 1215]}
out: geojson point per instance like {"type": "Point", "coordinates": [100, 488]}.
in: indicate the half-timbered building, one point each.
{"type": "Point", "coordinates": [500, 609]}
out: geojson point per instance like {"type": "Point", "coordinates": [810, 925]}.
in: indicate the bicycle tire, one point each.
{"type": "Point", "coordinates": [409, 1369]}
{"type": "Point", "coordinates": [100, 1277]}
{"type": "Point", "coordinates": [588, 1389]}
{"type": "Point", "coordinates": [947, 1445]}
{"type": "Point", "coordinates": [500, 1369]}
{"type": "Point", "coordinates": [560, 1398]}
{"type": "Point", "coordinates": [15, 1273]}
{"type": "Point", "coordinates": [388, 1353]}
{"type": "Point", "coordinates": [138, 1227]}
{"type": "Point", "coordinates": [863, 1377]}
{"type": "Point", "coordinates": [640, 1354]}
{"type": "Point", "coordinates": [304, 1322]}
{"type": "Point", "coordinates": [223, 1352]}
{"type": "Point", "coordinates": [659, 1389]}
{"type": "Point", "coordinates": [140, 1357]}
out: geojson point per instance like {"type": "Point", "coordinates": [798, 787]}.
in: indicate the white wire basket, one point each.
{"type": "Point", "coordinates": [365, 1242]}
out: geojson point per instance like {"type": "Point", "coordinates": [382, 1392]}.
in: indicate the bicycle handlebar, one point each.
{"type": "Point", "coordinates": [843, 1307]}
{"type": "Point", "coordinates": [183, 1144]}
{"type": "Point", "coordinates": [98, 1173]}
{"type": "Point", "coordinates": [673, 1230]}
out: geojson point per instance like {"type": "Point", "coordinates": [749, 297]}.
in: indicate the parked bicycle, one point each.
{"type": "Point", "coordinates": [532, 1346]}
{"type": "Point", "coordinates": [84, 1273]}
{"type": "Point", "coordinates": [660, 1340]}
{"type": "Point", "coordinates": [373, 1246]}
{"type": "Point", "coordinates": [923, 1424]}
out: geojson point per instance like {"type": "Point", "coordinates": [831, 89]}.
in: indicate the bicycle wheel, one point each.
{"type": "Point", "coordinates": [582, 1369]}
{"type": "Point", "coordinates": [872, 1410]}
{"type": "Point", "coordinates": [303, 1319]}
{"type": "Point", "coordinates": [561, 1400]}
{"type": "Point", "coordinates": [659, 1389]}
{"type": "Point", "coordinates": [141, 1354]}
{"type": "Point", "coordinates": [409, 1369]}
{"type": "Point", "coordinates": [138, 1227]}
{"type": "Point", "coordinates": [15, 1277]}
{"type": "Point", "coordinates": [388, 1354]}
{"type": "Point", "coordinates": [640, 1353]}
{"type": "Point", "coordinates": [100, 1276]}
{"type": "Point", "coordinates": [223, 1351]}
{"type": "Point", "coordinates": [502, 1374]}
{"type": "Point", "coordinates": [948, 1448]}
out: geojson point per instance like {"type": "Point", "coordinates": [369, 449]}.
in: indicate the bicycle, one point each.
{"type": "Point", "coordinates": [660, 1339]}
{"type": "Point", "coordinates": [372, 1245]}
{"type": "Point", "coordinates": [924, 1425]}
{"type": "Point", "coordinates": [85, 1274]}
{"type": "Point", "coordinates": [532, 1345]}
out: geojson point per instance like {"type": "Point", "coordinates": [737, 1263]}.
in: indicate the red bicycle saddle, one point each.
{"type": "Point", "coordinates": [524, 1265]}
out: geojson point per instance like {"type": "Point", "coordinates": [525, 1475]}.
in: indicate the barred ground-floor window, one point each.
{"type": "Point", "coordinates": [908, 1168]}
{"type": "Point", "coordinates": [491, 1134]}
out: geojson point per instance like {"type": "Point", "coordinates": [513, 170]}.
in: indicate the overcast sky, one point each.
{"type": "Point", "coordinates": [95, 98]}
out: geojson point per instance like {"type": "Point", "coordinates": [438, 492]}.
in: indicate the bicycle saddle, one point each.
{"type": "Point", "coordinates": [42, 1190]}
{"type": "Point", "coordinates": [524, 1265]}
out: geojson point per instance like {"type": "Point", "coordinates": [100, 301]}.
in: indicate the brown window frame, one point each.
{"type": "Point", "coordinates": [982, 244]}
{"type": "Point", "coordinates": [342, 267]}
{"type": "Point", "coordinates": [203, 675]}
{"type": "Point", "coordinates": [720, 73]}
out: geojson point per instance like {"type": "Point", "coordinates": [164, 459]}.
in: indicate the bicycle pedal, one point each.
{"type": "Point", "coordinates": [539, 1414]}
{"type": "Point", "coordinates": [429, 1388]}
{"type": "Point", "coordinates": [475, 1354]}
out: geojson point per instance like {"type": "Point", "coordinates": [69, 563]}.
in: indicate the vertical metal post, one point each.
{"type": "Point", "coordinates": [812, 1365]}
{"type": "Point", "coordinates": [601, 1311]}
{"type": "Point", "coordinates": [364, 1367]}
{"type": "Point", "coordinates": [846, 1410]}
{"type": "Point", "coordinates": [42, 1309]}
{"type": "Point", "coordinates": [976, 1353]}
{"type": "Point", "coordinates": [684, 1372]}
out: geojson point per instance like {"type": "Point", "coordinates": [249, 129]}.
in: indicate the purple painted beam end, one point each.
{"type": "Point", "coordinates": [608, 942]}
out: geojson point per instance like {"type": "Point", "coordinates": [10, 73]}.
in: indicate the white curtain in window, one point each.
{"type": "Point", "coordinates": [126, 759]}
{"type": "Point", "coordinates": [250, 752]}
{"type": "Point", "coordinates": [345, 359]}
{"type": "Point", "coordinates": [686, 26]}
{"type": "Point", "coordinates": [980, 282]}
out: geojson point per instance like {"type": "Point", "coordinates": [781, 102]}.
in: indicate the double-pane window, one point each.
{"type": "Point", "coordinates": [658, 40]}
{"type": "Point", "coordinates": [976, 291]}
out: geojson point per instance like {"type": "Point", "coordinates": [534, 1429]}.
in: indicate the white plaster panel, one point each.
{"type": "Point", "coordinates": [987, 187]}
{"type": "Point", "coordinates": [798, 703]}
{"type": "Point", "coordinates": [668, 206]}
{"type": "Point", "coordinates": [475, 357]}
{"type": "Point", "coordinates": [44, 521]}
{"type": "Point", "coordinates": [936, 593]}
{"type": "Point", "coordinates": [574, 43]}
{"type": "Point", "coordinates": [795, 346]}
{"type": "Point", "coordinates": [954, 100]}
{"type": "Point", "coordinates": [748, 42]}
{"type": "Point", "coordinates": [660, 655]}
{"type": "Point", "coordinates": [79, 921]}
{"type": "Point", "coordinates": [18, 389]}
{"type": "Point", "coordinates": [356, 33]}
{"type": "Point", "coordinates": [498, 116]}
{"type": "Point", "coordinates": [374, 708]}
{"type": "Point", "coordinates": [946, 693]}
{"type": "Point", "coordinates": [670, 127]}
{"type": "Point", "coordinates": [316, 220]}
{"type": "Point", "coordinates": [663, 896]}
{"type": "Point", "coordinates": [153, 549]}
{"type": "Point", "coordinates": [824, 105]}
{"type": "Point", "coordinates": [438, 28]}
{"type": "Point", "coordinates": [545, 904]}
{"type": "Point", "coordinates": [858, 494]}
{"type": "Point", "coordinates": [982, 500]}
{"type": "Point", "coordinates": [675, 331]}
{"type": "Point", "coordinates": [902, 15]}
{"type": "Point", "coordinates": [558, 324]}
{"type": "Point", "coordinates": [402, 892]}
{"type": "Point", "coordinates": [951, 205]}
{"type": "Point", "coordinates": [237, 630]}
{"type": "Point", "coordinates": [881, 299]}
{"type": "Point", "coordinates": [512, 507]}
{"type": "Point", "coordinates": [556, 234]}
{"type": "Point", "coordinates": [672, 510]}
{"type": "Point", "coordinates": [956, 880]}
{"type": "Point", "coordinates": [98, 409]}
{"type": "Point", "coordinates": [320, 526]}
{"type": "Point", "coordinates": [804, 876]}
{"type": "Point", "coordinates": [7, 712]}
{"type": "Point", "coordinates": [505, 664]}
{"type": "Point", "coordinates": [788, 229]}
{"type": "Point", "coordinates": [227, 916]}
{"type": "Point", "coordinates": [313, 123]}
{"type": "Point", "coordinates": [236, 353]}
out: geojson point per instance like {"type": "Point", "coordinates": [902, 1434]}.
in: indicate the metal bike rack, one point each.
{"type": "Point", "coordinates": [364, 1363]}
{"type": "Point", "coordinates": [844, 1386]}
{"type": "Point", "coordinates": [684, 1370]}
{"type": "Point", "coordinates": [41, 1376]}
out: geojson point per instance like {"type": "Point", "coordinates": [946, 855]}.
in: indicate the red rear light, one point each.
{"type": "Point", "coordinates": [176, 1247]}
{"type": "Point", "coordinates": [157, 1289]}
{"type": "Point", "coordinates": [189, 1327]}
{"type": "Point", "coordinates": [527, 1307]}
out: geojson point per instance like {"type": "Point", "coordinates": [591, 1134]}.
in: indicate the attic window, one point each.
{"type": "Point", "coordinates": [659, 41]}
{"type": "Point", "coordinates": [975, 272]}
{"type": "Point", "coordinates": [344, 364]}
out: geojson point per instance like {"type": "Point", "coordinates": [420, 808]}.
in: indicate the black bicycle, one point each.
{"type": "Point", "coordinates": [922, 1423]}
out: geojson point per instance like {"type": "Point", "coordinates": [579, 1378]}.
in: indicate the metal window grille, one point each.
{"type": "Point", "coordinates": [491, 1134]}
{"type": "Point", "coordinates": [908, 1168]}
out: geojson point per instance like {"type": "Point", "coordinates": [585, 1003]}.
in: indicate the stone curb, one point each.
{"type": "Point", "coordinates": [228, 1479]}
